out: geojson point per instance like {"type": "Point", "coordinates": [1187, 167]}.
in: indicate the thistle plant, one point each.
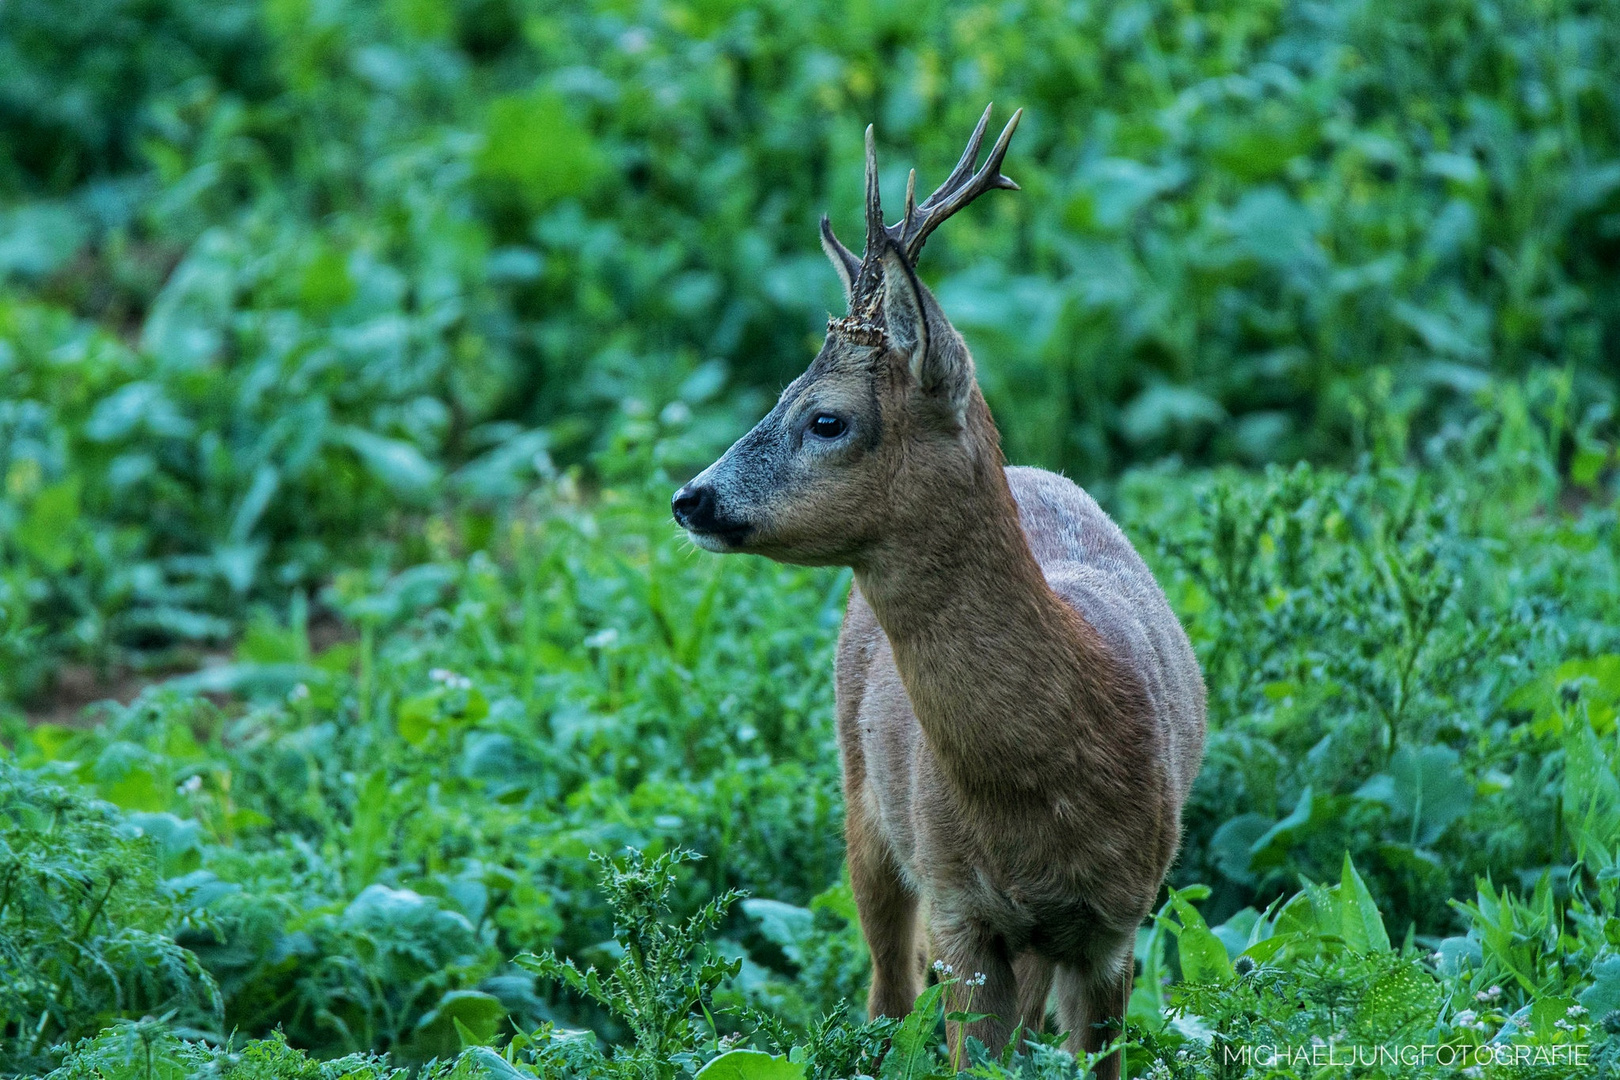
{"type": "Point", "coordinates": [667, 975]}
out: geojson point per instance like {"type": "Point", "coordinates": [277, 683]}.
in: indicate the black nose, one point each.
{"type": "Point", "coordinates": [694, 508]}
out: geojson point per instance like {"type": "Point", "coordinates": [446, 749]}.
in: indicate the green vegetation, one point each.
{"type": "Point", "coordinates": [348, 355]}
{"type": "Point", "coordinates": [1412, 665]}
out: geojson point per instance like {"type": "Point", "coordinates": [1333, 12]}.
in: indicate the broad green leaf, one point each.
{"type": "Point", "coordinates": [493, 1065]}
{"type": "Point", "coordinates": [1545, 1015]}
{"type": "Point", "coordinates": [1426, 787]}
{"type": "Point", "coordinates": [751, 1065]}
{"type": "Point", "coordinates": [326, 282]}
{"type": "Point", "coordinates": [137, 789]}
{"type": "Point", "coordinates": [424, 19]}
{"type": "Point", "coordinates": [1588, 463]}
{"type": "Point", "coordinates": [1203, 955]}
{"type": "Point", "coordinates": [418, 717]}
{"type": "Point", "coordinates": [47, 530]}
{"type": "Point", "coordinates": [962, 1017]}
{"type": "Point", "coordinates": [1163, 409]}
{"type": "Point", "coordinates": [838, 899]}
{"type": "Point", "coordinates": [1298, 916]}
{"type": "Point", "coordinates": [1267, 948]}
{"type": "Point", "coordinates": [1112, 190]}
{"type": "Point", "coordinates": [397, 464]}
{"type": "Point", "coordinates": [782, 924]}
{"type": "Point", "coordinates": [1400, 996]}
{"type": "Point", "coordinates": [1359, 920]}
{"type": "Point", "coordinates": [460, 1018]}
{"type": "Point", "coordinates": [1591, 798]}
{"type": "Point", "coordinates": [1271, 847]}
{"type": "Point", "coordinates": [913, 1041]}
{"type": "Point", "coordinates": [1456, 954]}
{"type": "Point", "coordinates": [266, 479]}
{"type": "Point", "coordinates": [1233, 845]}
{"type": "Point", "coordinates": [180, 842]}
{"type": "Point", "coordinates": [1235, 933]}
{"type": "Point", "coordinates": [370, 841]}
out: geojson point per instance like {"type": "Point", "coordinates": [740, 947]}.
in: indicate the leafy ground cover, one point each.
{"type": "Point", "coordinates": [348, 354]}
{"type": "Point", "coordinates": [393, 845]}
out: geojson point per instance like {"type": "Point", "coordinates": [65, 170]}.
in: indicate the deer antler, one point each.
{"type": "Point", "coordinates": [957, 191]}
{"type": "Point", "coordinates": [920, 219]}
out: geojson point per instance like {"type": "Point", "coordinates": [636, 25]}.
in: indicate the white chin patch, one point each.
{"type": "Point", "coordinates": [708, 541]}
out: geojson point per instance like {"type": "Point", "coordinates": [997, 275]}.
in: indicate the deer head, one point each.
{"type": "Point", "coordinates": [886, 421]}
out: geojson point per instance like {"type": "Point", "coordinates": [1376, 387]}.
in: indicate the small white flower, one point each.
{"type": "Point", "coordinates": [1576, 1010]}
{"type": "Point", "coordinates": [299, 692]}
{"type": "Point", "coordinates": [190, 785]}
{"type": "Point", "coordinates": [1563, 1025]}
{"type": "Point", "coordinates": [450, 679]}
{"type": "Point", "coordinates": [943, 968]}
{"type": "Point", "coordinates": [1494, 992]}
{"type": "Point", "coordinates": [976, 979]}
{"type": "Point", "coordinates": [1466, 1018]}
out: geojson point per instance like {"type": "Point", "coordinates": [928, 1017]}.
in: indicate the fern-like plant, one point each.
{"type": "Point", "coordinates": [84, 924]}
{"type": "Point", "coordinates": [668, 973]}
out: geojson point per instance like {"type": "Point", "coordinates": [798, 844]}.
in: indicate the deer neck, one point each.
{"type": "Point", "coordinates": [1001, 672]}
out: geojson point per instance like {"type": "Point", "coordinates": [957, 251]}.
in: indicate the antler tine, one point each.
{"type": "Point", "coordinates": [957, 190]}
{"type": "Point", "coordinates": [964, 164]}
{"type": "Point", "coordinates": [874, 199]}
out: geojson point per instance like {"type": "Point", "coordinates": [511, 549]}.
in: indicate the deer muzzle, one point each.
{"type": "Point", "coordinates": [697, 510]}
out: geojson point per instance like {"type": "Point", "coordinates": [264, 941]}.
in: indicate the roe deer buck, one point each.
{"type": "Point", "coordinates": [1019, 712]}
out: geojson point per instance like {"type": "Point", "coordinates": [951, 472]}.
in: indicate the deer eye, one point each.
{"type": "Point", "coordinates": [826, 426]}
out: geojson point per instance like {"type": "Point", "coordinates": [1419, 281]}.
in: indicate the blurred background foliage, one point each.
{"type": "Point", "coordinates": [274, 277]}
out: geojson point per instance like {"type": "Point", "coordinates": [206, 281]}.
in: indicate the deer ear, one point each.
{"type": "Point", "coordinates": [843, 259]}
{"type": "Point", "coordinates": [904, 316]}
{"type": "Point", "coordinates": [939, 363]}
